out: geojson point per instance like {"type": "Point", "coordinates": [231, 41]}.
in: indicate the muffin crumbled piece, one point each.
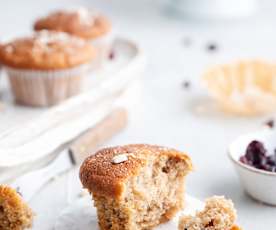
{"type": "Point", "coordinates": [140, 193]}
{"type": "Point", "coordinates": [14, 212]}
{"type": "Point", "coordinates": [218, 214]}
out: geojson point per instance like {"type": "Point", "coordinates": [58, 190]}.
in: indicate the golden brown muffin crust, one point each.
{"type": "Point", "coordinates": [46, 51]}
{"type": "Point", "coordinates": [100, 175]}
{"type": "Point", "coordinates": [80, 22]}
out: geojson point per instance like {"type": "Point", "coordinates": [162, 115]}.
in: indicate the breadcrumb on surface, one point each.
{"type": "Point", "coordinates": [14, 212]}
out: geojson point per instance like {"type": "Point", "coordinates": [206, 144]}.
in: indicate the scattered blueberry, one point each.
{"type": "Point", "coordinates": [186, 84]}
{"type": "Point", "coordinates": [211, 47]}
{"type": "Point", "coordinates": [270, 123]}
{"type": "Point", "coordinates": [257, 157]}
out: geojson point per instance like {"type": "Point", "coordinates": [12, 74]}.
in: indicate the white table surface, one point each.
{"type": "Point", "coordinates": [165, 113]}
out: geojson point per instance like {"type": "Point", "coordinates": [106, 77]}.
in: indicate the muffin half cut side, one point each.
{"type": "Point", "coordinates": [136, 186]}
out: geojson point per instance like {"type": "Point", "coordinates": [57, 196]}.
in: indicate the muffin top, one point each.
{"type": "Point", "coordinates": [80, 22]}
{"type": "Point", "coordinates": [46, 50]}
{"type": "Point", "coordinates": [106, 171]}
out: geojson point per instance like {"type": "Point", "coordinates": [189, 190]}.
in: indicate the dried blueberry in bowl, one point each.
{"type": "Point", "coordinates": [257, 156]}
{"type": "Point", "coordinates": [253, 157]}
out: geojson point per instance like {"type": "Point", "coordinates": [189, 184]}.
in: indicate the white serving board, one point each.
{"type": "Point", "coordinates": [81, 215]}
{"type": "Point", "coordinates": [127, 59]}
{"type": "Point", "coordinates": [28, 135]}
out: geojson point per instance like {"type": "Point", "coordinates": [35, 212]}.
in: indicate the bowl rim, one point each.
{"type": "Point", "coordinates": [248, 167]}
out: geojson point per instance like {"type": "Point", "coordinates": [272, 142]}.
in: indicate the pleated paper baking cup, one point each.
{"type": "Point", "coordinates": [103, 47]}
{"type": "Point", "coordinates": [45, 87]}
{"type": "Point", "coordinates": [243, 88]}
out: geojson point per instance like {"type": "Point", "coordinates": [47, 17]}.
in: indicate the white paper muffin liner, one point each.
{"type": "Point", "coordinates": [45, 87]}
{"type": "Point", "coordinates": [243, 88]}
{"type": "Point", "coordinates": [103, 47]}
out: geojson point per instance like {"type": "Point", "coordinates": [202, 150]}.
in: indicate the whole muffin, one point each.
{"type": "Point", "coordinates": [136, 186]}
{"type": "Point", "coordinates": [47, 67]}
{"type": "Point", "coordinates": [82, 22]}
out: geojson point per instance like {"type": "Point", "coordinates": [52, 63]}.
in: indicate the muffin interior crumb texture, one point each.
{"type": "Point", "coordinates": [218, 214]}
{"type": "Point", "coordinates": [14, 213]}
{"type": "Point", "coordinates": [150, 197]}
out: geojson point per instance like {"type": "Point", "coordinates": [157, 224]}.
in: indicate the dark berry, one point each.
{"type": "Point", "coordinates": [256, 156]}
{"type": "Point", "coordinates": [256, 153]}
{"type": "Point", "coordinates": [211, 47]}
{"type": "Point", "coordinates": [270, 123]}
{"type": "Point", "coordinates": [186, 84]}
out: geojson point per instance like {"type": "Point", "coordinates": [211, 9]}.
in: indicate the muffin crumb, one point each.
{"type": "Point", "coordinates": [218, 214]}
{"type": "Point", "coordinates": [14, 212]}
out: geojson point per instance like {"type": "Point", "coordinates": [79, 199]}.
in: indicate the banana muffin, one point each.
{"type": "Point", "coordinates": [14, 212]}
{"type": "Point", "coordinates": [136, 187]}
{"type": "Point", "coordinates": [82, 22]}
{"type": "Point", "coordinates": [218, 214]}
{"type": "Point", "coordinates": [47, 67]}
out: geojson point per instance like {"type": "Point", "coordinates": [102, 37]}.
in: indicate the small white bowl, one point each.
{"type": "Point", "coordinates": [259, 184]}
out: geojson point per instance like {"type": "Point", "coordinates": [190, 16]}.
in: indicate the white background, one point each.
{"type": "Point", "coordinates": [164, 112]}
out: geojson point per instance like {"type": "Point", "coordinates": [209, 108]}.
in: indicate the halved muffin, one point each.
{"type": "Point", "coordinates": [218, 214]}
{"type": "Point", "coordinates": [136, 186]}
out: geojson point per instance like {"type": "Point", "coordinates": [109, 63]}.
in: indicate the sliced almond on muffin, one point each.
{"type": "Point", "coordinates": [136, 186]}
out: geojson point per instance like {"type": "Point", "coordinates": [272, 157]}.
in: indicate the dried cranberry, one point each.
{"type": "Point", "coordinates": [211, 47]}
{"type": "Point", "coordinates": [270, 123]}
{"type": "Point", "coordinates": [186, 84]}
{"type": "Point", "coordinates": [256, 153]}
{"type": "Point", "coordinates": [256, 156]}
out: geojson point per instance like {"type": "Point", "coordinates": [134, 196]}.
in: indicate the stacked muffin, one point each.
{"type": "Point", "coordinates": [50, 65]}
{"type": "Point", "coordinates": [84, 23]}
{"type": "Point", "coordinates": [136, 186]}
